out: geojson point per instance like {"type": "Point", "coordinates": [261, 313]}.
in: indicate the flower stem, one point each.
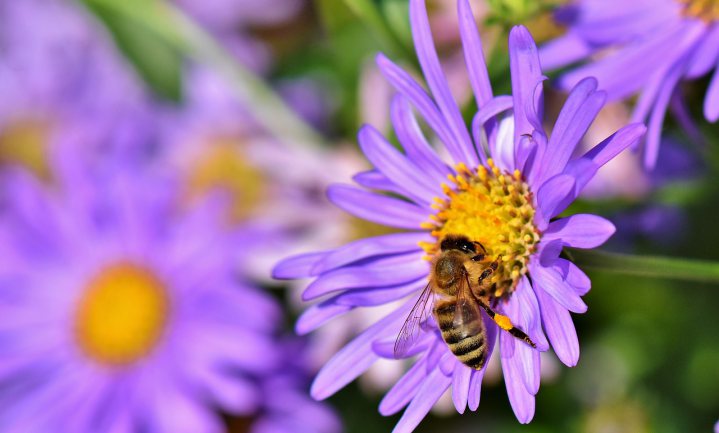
{"type": "Point", "coordinates": [171, 25]}
{"type": "Point", "coordinates": [648, 266]}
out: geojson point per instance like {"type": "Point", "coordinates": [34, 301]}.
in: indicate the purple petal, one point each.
{"type": "Point", "coordinates": [577, 114]}
{"type": "Point", "coordinates": [437, 83]}
{"type": "Point", "coordinates": [414, 142]}
{"type": "Point", "coordinates": [559, 328]}
{"type": "Point", "coordinates": [373, 179]}
{"type": "Point", "coordinates": [319, 314]}
{"type": "Point", "coordinates": [563, 51]}
{"type": "Point", "coordinates": [521, 400]}
{"type": "Point", "coordinates": [502, 147]}
{"type": "Point", "coordinates": [299, 266]}
{"type": "Point", "coordinates": [550, 281]}
{"type": "Point", "coordinates": [648, 95]}
{"type": "Point", "coordinates": [447, 363]}
{"type": "Point", "coordinates": [398, 169]}
{"type": "Point", "coordinates": [385, 348]}
{"type": "Point", "coordinates": [385, 271]}
{"type": "Point", "coordinates": [475, 382]}
{"type": "Point", "coordinates": [475, 389]}
{"type": "Point", "coordinates": [378, 296]}
{"type": "Point", "coordinates": [525, 309]}
{"type": "Point", "coordinates": [615, 143]}
{"type": "Point", "coordinates": [356, 357]}
{"type": "Point", "coordinates": [525, 152]}
{"type": "Point", "coordinates": [711, 101]}
{"type": "Point", "coordinates": [377, 208]}
{"type": "Point", "coordinates": [474, 55]}
{"type": "Point", "coordinates": [460, 386]}
{"type": "Point", "coordinates": [432, 389]}
{"type": "Point", "coordinates": [621, 74]}
{"type": "Point", "coordinates": [526, 73]}
{"type": "Point", "coordinates": [491, 109]}
{"type": "Point", "coordinates": [580, 231]}
{"type": "Point", "coordinates": [705, 55]}
{"type": "Point", "coordinates": [178, 411]}
{"type": "Point", "coordinates": [369, 247]}
{"type": "Point", "coordinates": [582, 170]}
{"type": "Point", "coordinates": [574, 276]}
{"type": "Point", "coordinates": [549, 251]}
{"type": "Point", "coordinates": [404, 390]}
{"type": "Point", "coordinates": [656, 119]}
{"type": "Point", "coordinates": [524, 361]}
{"type": "Point", "coordinates": [409, 88]}
{"type": "Point", "coordinates": [553, 197]}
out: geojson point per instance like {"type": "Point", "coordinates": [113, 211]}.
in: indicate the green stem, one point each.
{"type": "Point", "coordinates": [171, 25]}
{"type": "Point", "coordinates": [648, 266]}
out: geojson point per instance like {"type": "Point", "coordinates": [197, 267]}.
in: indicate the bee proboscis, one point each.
{"type": "Point", "coordinates": [457, 286]}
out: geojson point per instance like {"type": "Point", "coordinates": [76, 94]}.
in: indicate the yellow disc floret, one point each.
{"type": "Point", "coordinates": [121, 315]}
{"type": "Point", "coordinates": [223, 167]}
{"type": "Point", "coordinates": [495, 209]}
{"type": "Point", "coordinates": [706, 10]}
{"type": "Point", "coordinates": [25, 142]}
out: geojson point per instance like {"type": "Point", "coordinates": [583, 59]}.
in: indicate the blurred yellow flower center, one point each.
{"type": "Point", "coordinates": [223, 167]}
{"type": "Point", "coordinates": [121, 315]}
{"type": "Point", "coordinates": [24, 142]}
{"type": "Point", "coordinates": [707, 10]}
{"type": "Point", "coordinates": [493, 208]}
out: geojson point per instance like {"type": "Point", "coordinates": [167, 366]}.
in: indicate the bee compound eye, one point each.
{"type": "Point", "coordinates": [467, 247]}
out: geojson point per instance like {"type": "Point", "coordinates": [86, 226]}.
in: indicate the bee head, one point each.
{"type": "Point", "coordinates": [460, 243]}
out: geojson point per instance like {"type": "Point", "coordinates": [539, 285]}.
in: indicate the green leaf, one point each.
{"type": "Point", "coordinates": [156, 61]}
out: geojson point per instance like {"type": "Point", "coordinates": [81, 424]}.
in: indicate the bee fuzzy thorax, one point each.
{"type": "Point", "coordinates": [493, 208]}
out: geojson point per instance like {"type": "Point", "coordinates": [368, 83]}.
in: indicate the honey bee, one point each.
{"type": "Point", "coordinates": [458, 286]}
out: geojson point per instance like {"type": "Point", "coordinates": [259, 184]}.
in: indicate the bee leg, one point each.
{"type": "Point", "coordinates": [506, 324]}
{"type": "Point", "coordinates": [487, 272]}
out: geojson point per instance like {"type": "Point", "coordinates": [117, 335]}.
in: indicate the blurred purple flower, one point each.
{"type": "Point", "coordinates": [213, 144]}
{"type": "Point", "coordinates": [532, 179]}
{"type": "Point", "coordinates": [123, 311]}
{"type": "Point", "coordinates": [653, 45]}
{"type": "Point", "coordinates": [61, 78]}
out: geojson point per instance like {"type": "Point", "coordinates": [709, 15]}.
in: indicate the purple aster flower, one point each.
{"type": "Point", "coordinates": [508, 182]}
{"type": "Point", "coordinates": [60, 77]}
{"type": "Point", "coordinates": [652, 45]}
{"type": "Point", "coordinates": [123, 311]}
{"type": "Point", "coordinates": [213, 144]}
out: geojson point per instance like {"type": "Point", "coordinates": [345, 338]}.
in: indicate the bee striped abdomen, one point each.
{"type": "Point", "coordinates": [467, 340]}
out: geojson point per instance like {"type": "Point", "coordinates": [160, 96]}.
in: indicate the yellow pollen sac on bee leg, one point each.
{"type": "Point", "coordinates": [493, 208]}
{"type": "Point", "coordinates": [503, 322]}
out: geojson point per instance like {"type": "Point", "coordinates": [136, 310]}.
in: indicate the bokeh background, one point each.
{"type": "Point", "coordinates": [261, 99]}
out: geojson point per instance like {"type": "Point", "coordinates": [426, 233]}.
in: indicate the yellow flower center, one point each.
{"type": "Point", "coordinates": [706, 10]}
{"type": "Point", "coordinates": [492, 208]}
{"type": "Point", "coordinates": [223, 167]}
{"type": "Point", "coordinates": [121, 315]}
{"type": "Point", "coordinates": [24, 142]}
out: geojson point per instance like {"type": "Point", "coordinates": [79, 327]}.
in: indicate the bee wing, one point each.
{"type": "Point", "coordinates": [466, 313]}
{"type": "Point", "coordinates": [418, 314]}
